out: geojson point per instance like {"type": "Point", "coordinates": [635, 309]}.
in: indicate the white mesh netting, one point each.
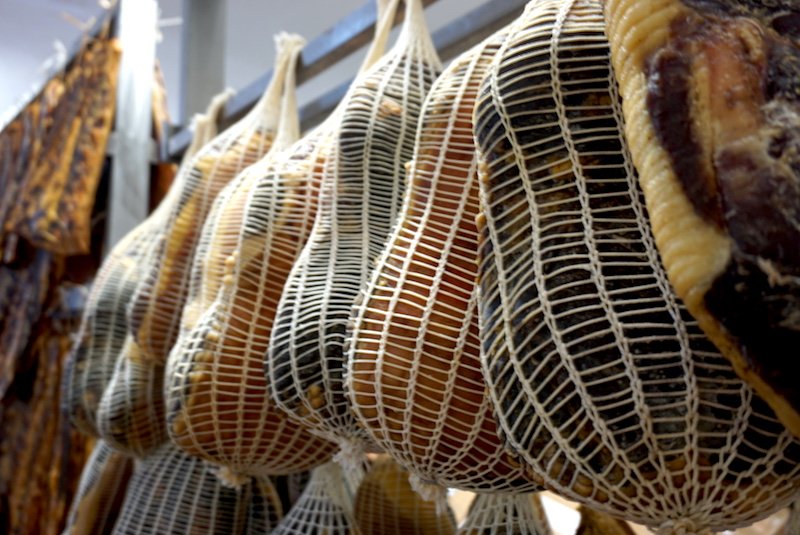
{"type": "Point", "coordinates": [506, 514]}
{"type": "Point", "coordinates": [104, 326]}
{"type": "Point", "coordinates": [219, 236]}
{"type": "Point", "coordinates": [101, 490]}
{"type": "Point", "coordinates": [131, 412]}
{"type": "Point", "coordinates": [219, 407]}
{"type": "Point", "coordinates": [600, 378]}
{"type": "Point", "coordinates": [360, 198]}
{"type": "Point", "coordinates": [265, 510]}
{"type": "Point", "coordinates": [173, 493]}
{"type": "Point", "coordinates": [414, 373]}
{"type": "Point", "coordinates": [157, 304]}
{"type": "Point", "coordinates": [711, 98]}
{"type": "Point", "coordinates": [386, 504]}
{"type": "Point", "coordinates": [324, 508]}
{"type": "Point", "coordinates": [277, 194]}
{"type": "Point", "coordinates": [132, 408]}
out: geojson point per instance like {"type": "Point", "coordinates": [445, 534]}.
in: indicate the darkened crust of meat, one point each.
{"type": "Point", "coordinates": [737, 158]}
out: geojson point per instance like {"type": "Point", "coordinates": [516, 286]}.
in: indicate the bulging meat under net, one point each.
{"type": "Point", "coordinates": [414, 371]}
{"type": "Point", "coordinates": [160, 297]}
{"type": "Point", "coordinates": [712, 103]}
{"type": "Point", "coordinates": [601, 380]}
{"type": "Point", "coordinates": [133, 405]}
{"type": "Point", "coordinates": [111, 389]}
{"type": "Point", "coordinates": [217, 397]}
{"type": "Point", "coordinates": [131, 412]}
{"type": "Point", "coordinates": [107, 388]}
{"type": "Point", "coordinates": [103, 330]}
{"type": "Point", "coordinates": [155, 311]}
{"type": "Point", "coordinates": [219, 407]}
{"type": "Point", "coordinates": [360, 198]}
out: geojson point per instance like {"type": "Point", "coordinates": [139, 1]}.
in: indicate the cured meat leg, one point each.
{"type": "Point", "coordinates": [711, 94]}
{"type": "Point", "coordinates": [360, 198]}
{"type": "Point", "coordinates": [602, 381]}
{"type": "Point", "coordinates": [218, 404]}
{"type": "Point", "coordinates": [414, 371]}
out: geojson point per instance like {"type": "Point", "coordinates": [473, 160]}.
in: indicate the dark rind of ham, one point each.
{"type": "Point", "coordinates": [750, 187]}
{"type": "Point", "coordinates": [766, 10]}
{"type": "Point", "coordinates": [765, 319]}
{"type": "Point", "coordinates": [669, 90]}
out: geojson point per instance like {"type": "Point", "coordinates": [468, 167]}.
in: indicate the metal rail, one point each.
{"type": "Point", "coordinates": [345, 37]}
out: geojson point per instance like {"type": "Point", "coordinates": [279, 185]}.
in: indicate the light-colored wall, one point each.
{"type": "Point", "coordinates": [29, 27]}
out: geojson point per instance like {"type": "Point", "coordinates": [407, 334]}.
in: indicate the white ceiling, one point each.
{"type": "Point", "coordinates": [28, 29]}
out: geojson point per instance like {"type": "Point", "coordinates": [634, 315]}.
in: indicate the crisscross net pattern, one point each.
{"type": "Point", "coordinates": [506, 514]}
{"type": "Point", "coordinates": [110, 391]}
{"type": "Point", "coordinates": [360, 198]}
{"type": "Point", "coordinates": [131, 412]}
{"type": "Point", "coordinates": [174, 493]}
{"type": "Point", "coordinates": [711, 98]}
{"type": "Point", "coordinates": [324, 508]}
{"type": "Point", "coordinates": [132, 407]}
{"type": "Point", "coordinates": [265, 510]}
{"type": "Point", "coordinates": [102, 488]}
{"type": "Point", "coordinates": [204, 125]}
{"type": "Point", "coordinates": [158, 302]}
{"type": "Point", "coordinates": [386, 504]}
{"type": "Point", "coordinates": [104, 326]}
{"type": "Point", "coordinates": [601, 380]}
{"type": "Point", "coordinates": [414, 372]}
{"type": "Point", "coordinates": [219, 407]}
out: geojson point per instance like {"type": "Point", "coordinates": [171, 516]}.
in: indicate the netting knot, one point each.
{"type": "Point", "coordinates": [228, 478]}
{"type": "Point", "coordinates": [430, 492]}
{"type": "Point", "coordinates": [351, 458]}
